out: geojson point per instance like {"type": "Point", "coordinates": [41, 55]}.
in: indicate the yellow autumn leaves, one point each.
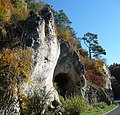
{"type": "Point", "coordinates": [15, 65]}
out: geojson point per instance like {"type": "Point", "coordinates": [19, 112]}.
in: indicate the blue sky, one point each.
{"type": "Point", "coordinates": [101, 17]}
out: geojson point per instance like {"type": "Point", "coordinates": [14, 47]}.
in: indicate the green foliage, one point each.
{"type": "Point", "coordinates": [36, 102]}
{"type": "Point", "coordinates": [55, 86]}
{"type": "Point", "coordinates": [100, 105]}
{"type": "Point", "coordinates": [63, 24]}
{"type": "Point", "coordinates": [64, 29]}
{"type": "Point", "coordinates": [13, 11]}
{"type": "Point", "coordinates": [91, 41]}
{"type": "Point", "coordinates": [74, 105]}
{"type": "Point", "coordinates": [61, 19]}
{"type": "Point", "coordinates": [100, 109]}
{"type": "Point", "coordinates": [34, 5]}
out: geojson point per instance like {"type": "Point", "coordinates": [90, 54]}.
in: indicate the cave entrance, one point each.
{"type": "Point", "coordinates": [65, 84]}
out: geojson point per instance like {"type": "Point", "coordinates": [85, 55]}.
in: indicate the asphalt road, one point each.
{"type": "Point", "coordinates": [115, 111]}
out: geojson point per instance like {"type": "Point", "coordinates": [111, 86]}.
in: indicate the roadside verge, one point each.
{"type": "Point", "coordinates": [111, 110]}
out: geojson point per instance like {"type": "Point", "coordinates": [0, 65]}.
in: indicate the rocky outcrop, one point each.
{"type": "Point", "coordinates": [69, 76]}
{"type": "Point", "coordinates": [45, 54]}
{"type": "Point", "coordinates": [115, 71]}
{"type": "Point", "coordinates": [52, 62]}
{"type": "Point", "coordinates": [37, 33]}
{"type": "Point", "coordinates": [96, 93]}
{"type": "Point", "coordinates": [46, 51]}
{"type": "Point", "coordinates": [115, 79]}
{"type": "Point", "coordinates": [69, 71]}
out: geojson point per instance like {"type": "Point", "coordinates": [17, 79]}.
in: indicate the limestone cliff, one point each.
{"type": "Point", "coordinates": [69, 75]}
{"type": "Point", "coordinates": [115, 79]}
{"type": "Point", "coordinates": [95, 93]}
{"type": "Point", "coordinates": [53, 61]}
{"type": "Point", "coordinates": [46, 51]}
{"type": "Point", "coordinates": [69, 71]}
{"type": "Point", "coordinates": [37, 33]}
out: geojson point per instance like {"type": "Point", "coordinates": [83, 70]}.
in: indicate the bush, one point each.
{"type": "Point", "coordinates": [15, 65]}
{"type": "Point", "coordinates": [100, 105]}
{"type": "Point", "coordinates": [13, 11]}
{"type": "Point", "coordinates": [94, 71]}
{"type": "Point", "coordinates": [74, 105]}
{"type": "Point", "coordinates": [93, 78]}
{"type": "Point", "coordinates": [34, 104]}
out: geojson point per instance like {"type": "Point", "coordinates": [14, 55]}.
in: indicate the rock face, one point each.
{"type": "Point", "coordinates": [107, 77]}
{"type": "Point", "coordinates": [69, 71]}
{"type": "Point", "coordinates": [53, 61]}
{"type": "Point", "coordinates": [46, 51]}
{"type": "Point", "coordinates": [39, 34]}
{"type": "Point", "coordinates": [115, 73]}
{"type": "Point", "coordinates": [96, 94]}
{"type": "Point", "coordinates": [69, 76]}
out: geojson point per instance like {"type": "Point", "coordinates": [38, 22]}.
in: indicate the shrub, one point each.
{"type": "Point", "coordinates": [98, 67]}
{"type": "Point", "coordinates": [94, 71]}
{"type": "Point", "coordinates": [36, 102]}
{"type": "Point", "coordinates": [93, 78]}
{"type": "Point", "coordinates": [74, 105]}
{"type": "Point", "coordinates": [5, 7]}
{"type": "Point", "coordinates": [35, 5]}
{"type": "Point", "coordinates": [12, 11]}
{"type": "Point", "coordinates": [83, 52]}
{"type": "Point", "coordinates": [15, 65]}
{"type": "Point", "coordinates": [87, 62]}
{"type": "Point", "coordinates": [59, 32]}
{"type": "Point", "coordinates": [100, 105]}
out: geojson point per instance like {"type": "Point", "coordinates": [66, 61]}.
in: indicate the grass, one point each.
{"type": "Point", "coordinates": [100, 111]}
{"type": "Point", "coordinates": [76, 105]}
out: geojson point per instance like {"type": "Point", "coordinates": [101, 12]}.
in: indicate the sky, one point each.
{"type": "Point", "coordinates": [101, 17]}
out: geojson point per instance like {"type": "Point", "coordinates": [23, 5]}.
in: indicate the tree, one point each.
{"type": "Point", "coordinates": [63, 25]}
{"type": "Point", "coordinates": [61, 19]}
{"type": "Point", "coordinates": [34, 5]}
{"type": "Point", "coordinates": [91, 41]}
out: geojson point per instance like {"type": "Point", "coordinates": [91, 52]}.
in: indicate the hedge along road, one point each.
{"type": "Point", "coordinates": [115, 111]}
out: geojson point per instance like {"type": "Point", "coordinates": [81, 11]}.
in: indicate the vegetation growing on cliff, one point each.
{"type": "Point", "coordinates": [13, 11]}
{"type": "Point", "coordinates": [76, 105]}
{"type": "Point", "coordinates": [93, 64]}
{"type": "Point", "coordinates": [94, 72]}
{"type": "Point", "coordinates": [16, 63]}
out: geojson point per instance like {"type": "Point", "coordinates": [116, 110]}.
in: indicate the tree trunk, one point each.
{"type": "Point", "coordinates": [90, 53]}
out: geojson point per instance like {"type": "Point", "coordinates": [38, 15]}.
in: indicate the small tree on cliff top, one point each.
{"type": "Point", "coordinates": [94, 48]}
{"type": "Point", "coordinates": [61, 19]}
{"type": "Point", "coordinates": [63, 23]}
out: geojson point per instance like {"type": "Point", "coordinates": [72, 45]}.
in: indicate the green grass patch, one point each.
{"type": "Point", "coordinates": [99, 110]}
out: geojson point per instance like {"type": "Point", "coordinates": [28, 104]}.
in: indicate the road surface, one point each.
{"type": "Point", "coordinates": [115, 111]}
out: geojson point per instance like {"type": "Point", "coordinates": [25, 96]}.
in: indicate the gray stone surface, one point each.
{"type": "Point", "coordinates": [69, 71]}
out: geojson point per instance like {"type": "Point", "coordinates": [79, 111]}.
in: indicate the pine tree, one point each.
{"type": "Point", "coordinates": [91, 41]}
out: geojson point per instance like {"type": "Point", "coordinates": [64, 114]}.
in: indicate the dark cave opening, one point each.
{"type": "Point", "coordinates": [64, 84]}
